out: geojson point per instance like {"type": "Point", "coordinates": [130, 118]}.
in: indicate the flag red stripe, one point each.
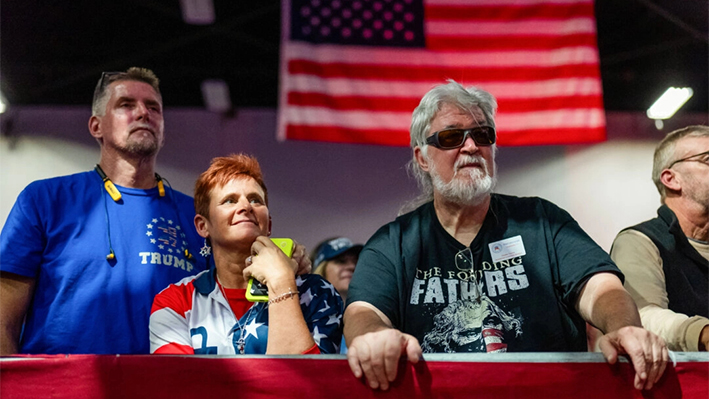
{"type": "Point", "coordinates": [398, 104]}
{"type": "Point", "coordinates": [512, 42]}
{"type": "Point", "coordinates": [508, 12]}
{"type": "Point", "coordinates": [344, 135]}
{"type": "Point", "coordinates": [401, 137]}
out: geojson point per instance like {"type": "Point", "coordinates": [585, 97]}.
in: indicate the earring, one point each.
{"type": "Point", "coordinates": [206, 250]}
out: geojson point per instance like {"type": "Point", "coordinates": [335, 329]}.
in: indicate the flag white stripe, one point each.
{"type": "Point", "coordinates": [317, 116]}
{"type": "Point", "coordinates": [354, 55]}
{"type": "Point", "coordinates": [507, 122]}
{"type": "Point", "coordinates": [526, 28]}
{"type": "Point", "coordinates": [501, 90]}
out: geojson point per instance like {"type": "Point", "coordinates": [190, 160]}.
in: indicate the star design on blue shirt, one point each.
{"type": "Point", "coordinates": [169, 222]}
{"type": "Point", "coordinates": [155, 220]}
{"type": "Point", "coordinates": [161, 246]}
{"type": "Point", "coordinates": [325, 308]}
{"type": "Point", "coordinates": [334, 319]}
{"type": "Point", "coordinates": [150, 226]}
{"type": "Point", "coordinates": [179, 228]}
{"type": "Point", "coordinates": [152, 241]}
{"type": "Point", "coordinates": [329, 286]}
{"type": "Point", "coordinates": [307, 297]}
{"type": "Point", "coordinates": [299, 281]}
{"type": "Point", "coordinates": [317, 336]}
{"type": "Point", "coordinates": [251, 329]}
{"type": "Point", "coordinates": [149, 233]}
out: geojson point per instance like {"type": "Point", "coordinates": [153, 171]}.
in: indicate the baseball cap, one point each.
{"type": "Point", "coordinates": [333, 248]}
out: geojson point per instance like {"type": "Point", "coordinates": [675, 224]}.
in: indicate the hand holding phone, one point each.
{"type": "Point", "coordinates": [255, 290]}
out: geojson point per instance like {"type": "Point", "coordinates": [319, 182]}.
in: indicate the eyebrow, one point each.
{"type": "Point", "coordinates": [134, 99]}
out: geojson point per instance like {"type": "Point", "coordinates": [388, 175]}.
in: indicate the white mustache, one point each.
{"type": "Point", "coordinates": [468, 159]}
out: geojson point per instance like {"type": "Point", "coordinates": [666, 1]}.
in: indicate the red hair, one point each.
{"type": "Point", "coordinates": [221, 171]}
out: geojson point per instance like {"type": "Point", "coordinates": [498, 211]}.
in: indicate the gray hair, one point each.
{"type": "Point", "coordinates": [102, 94]}
{"type": "Point", "coordinates": [665, 153]}
{"type": "Point", "coordinates": [450, 93]}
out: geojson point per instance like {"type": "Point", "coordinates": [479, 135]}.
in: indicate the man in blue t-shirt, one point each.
{"type": "Point", "coordinates": [84, 255]}
{"type": "Point", "coordinates": [472, 271]}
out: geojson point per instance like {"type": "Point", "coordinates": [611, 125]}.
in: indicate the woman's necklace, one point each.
{"type": "Point", "coordinates": [241, 342]}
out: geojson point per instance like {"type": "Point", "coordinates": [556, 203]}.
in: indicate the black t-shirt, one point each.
{"type": "Point", "coordinates": [457, 299]}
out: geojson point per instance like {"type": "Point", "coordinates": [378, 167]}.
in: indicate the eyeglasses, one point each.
{"type": "Point", "coordinates": [689, 159]}
{"type": "Point", "coordinates": [447, 139]}
{"type": "Point", "coordinates": [106, 79]}
{"type": "Point", "coordinates": [464, 262]}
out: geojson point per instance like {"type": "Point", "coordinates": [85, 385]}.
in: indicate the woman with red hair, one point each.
{"type": "Point", "coordinates": [209, 313]}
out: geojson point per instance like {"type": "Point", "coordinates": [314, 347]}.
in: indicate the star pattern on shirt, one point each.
{"type": "Point", "coordinates": [149, 233]}
{"type": "Point", "coordinates": [307, 297]}
{"type": "Point", "coordinates": [334, 319]}
{"type": "Point", "coordinates": [155, 220]}
{"type": "Point", "coordinates": [161, 246]}
{"type": "Point", "coordinates": [317, 336]}
{"type": "Point", "coordinates": [251, 329]}
{"type": "Point", "coordinates": [169, 221]}
{"type": "Point", "coordinates": [325, 308]}
{"type": "Point", "coordinates": [299, 281]}
{"type": "Point", "coordinates": [150, 226]}
{"type": "Point", "coordinates": [153, 241]}
{"type": "Point", "coordinates": [329, 286]}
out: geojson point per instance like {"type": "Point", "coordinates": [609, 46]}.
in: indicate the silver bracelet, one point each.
{"type": "Point", "coordinates": [282, 297]}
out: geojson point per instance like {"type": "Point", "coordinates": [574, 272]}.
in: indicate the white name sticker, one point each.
{"type": "Point", "coordinates": [509, 248]}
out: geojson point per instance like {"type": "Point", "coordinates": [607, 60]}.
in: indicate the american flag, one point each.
{"type": "Point", "coordinates": [353, 70]}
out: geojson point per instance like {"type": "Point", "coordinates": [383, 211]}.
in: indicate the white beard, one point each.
{"type": "Point", "coordinates": [467, 187]}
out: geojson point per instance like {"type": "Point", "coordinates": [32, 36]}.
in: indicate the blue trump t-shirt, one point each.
{"type": "Point", "coordinates": [58, 233]}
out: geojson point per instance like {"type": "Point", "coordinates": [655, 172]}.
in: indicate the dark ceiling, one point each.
{"type": "Point", "coordinates": [53, 51]}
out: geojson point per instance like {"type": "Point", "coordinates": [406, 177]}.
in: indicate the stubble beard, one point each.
{"type": "Point", "coordinates": [698, 192]}
{"type": "Point", "coordinates": [141, 146]}
{"type": "Point", "coordinates": [468, 186]}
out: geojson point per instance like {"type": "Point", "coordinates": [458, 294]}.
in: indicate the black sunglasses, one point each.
{"type": "Point", "coordinates": [106, 79]}
{"type": "Point", "coordinates": [447, 139]}
{"type": "Point", "coordinates": [689, 158]}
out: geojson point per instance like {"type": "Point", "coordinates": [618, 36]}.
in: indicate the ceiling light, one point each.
{"type": "Point", "coordinates": [3, 104]}
{"type": "Point", "coordinates": [197, 12]}
{"type": "Point", "coordinates": [215, 93]}
{"type": "Point", "coordinates": [669, 102]}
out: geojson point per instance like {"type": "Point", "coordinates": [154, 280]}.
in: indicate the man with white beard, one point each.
{"type": "Point", "coordinates": [520, 268]}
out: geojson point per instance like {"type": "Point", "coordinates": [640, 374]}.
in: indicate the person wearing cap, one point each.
{"type": "Point", "coordinates": [335, 260]}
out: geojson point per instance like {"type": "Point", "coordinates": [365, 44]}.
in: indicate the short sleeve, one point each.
{"type": "Point", "coordinates": [578, 256]}
{"type": "Point", "coordinates": [375, 279]}
{"type": "Point", "coordinates": [322, 309]}
{"type": "Point", "coordinates": [22, 240]}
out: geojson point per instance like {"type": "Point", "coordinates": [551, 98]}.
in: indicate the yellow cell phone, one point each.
{"type": "Point", "coordinates": [257, 292]}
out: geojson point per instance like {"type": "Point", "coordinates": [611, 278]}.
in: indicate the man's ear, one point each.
{"type": "Point", "coordinates": [671, 180]}
{"type": "Point", "coordinates": [421, 159]}
{"type": "Point", "coordinates": [200, 223]}
{"type": "Point", "coordinates": [95, 127]}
